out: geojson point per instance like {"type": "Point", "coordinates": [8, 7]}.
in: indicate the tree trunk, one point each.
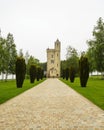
{"type": "Point", "coordinates": [6, 76]}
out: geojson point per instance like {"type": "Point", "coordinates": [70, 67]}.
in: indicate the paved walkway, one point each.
{"type": "Point", "coordinates": [51, 105]}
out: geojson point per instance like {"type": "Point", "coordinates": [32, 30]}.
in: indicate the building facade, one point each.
{"type": "Point", "coordinates": [53, 60]}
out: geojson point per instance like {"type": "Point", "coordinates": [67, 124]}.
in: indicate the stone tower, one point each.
{"type": "Point", "coordinates": [53, 60]}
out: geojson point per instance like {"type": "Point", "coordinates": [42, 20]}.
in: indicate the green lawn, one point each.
{"type": "Point", "coordinates": [9, 90]}
{"type": "Point", "coordinates": [94, 90]}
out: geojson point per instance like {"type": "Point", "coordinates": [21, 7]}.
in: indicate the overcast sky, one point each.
{"type": "Point", "coordinates": [36, 24]}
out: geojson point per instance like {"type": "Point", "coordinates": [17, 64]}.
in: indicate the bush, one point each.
{"type": "Point", "coordinates": [83, 70]}
{"type": "Point", "coordinates": [42, 74]}
{"type": "Point", "coordinates": [72, 74]}
{"type": "Point", "coordinates": [38, 73]}
{"type": "Point", "coordinates": [20, 71]}
{"type": "Point", "coordinates": [32, 73]}
{"type": "Point", "coordinates": [63, 73]}
{"type": "Point", "coordinates": [67, 73]}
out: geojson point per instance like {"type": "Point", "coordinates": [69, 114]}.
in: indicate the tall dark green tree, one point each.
{"type": "Point", "coordinates": [39, 73]}
{"type": "Point", "coordinates": [83, 70]}
{"type": "Point", "coordinates": [72, 73]}
{"type": "Point", "coordinates": [63, 73]}
{"type": "Point", "coordinates": [33, 73]}
{"type": "Point", "coordinates": [20, 71]}
{"type": "Point", "coordinates": [63, 67]}
{"type": "Point", "coordinates": [42, 74]}
{"type": "Point", "coordinates": [96, 45]}
{"type": "Point", "coordinates": [67, 73]}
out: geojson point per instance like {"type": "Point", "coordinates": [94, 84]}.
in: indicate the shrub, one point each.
{"type": "Point", "coordinates": [32, 73]}
{"type": "Point", "coordinates": [67, 73]}
{"type": "Point", "coordinates": [42, 74]}
{"type": "Point", "coordinates": [63, 73]}
{"type": "Point", "coordinates": [72, 74]}
{"type": "Point", "coordinates": [38, 73]}
{"type": "Point", "coordinates": [20, 71]}
{"type": "Point", "coordinates": [83, 70]}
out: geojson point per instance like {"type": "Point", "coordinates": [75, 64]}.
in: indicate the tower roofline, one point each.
{"type": "Point", "coordinates": [57, 40]}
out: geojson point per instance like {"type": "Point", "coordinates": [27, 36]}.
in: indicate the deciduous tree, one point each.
{"type": "Point", "coordinates": [96, 45]}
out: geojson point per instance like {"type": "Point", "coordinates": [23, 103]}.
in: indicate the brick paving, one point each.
{"type": "Point", "coordinates": [51, 105]}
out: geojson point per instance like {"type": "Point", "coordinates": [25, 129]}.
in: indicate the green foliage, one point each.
{"type": "Point", "coordinates": [63, 67]}
{"type": "Point", "coordinates": [96, 45]}
{"type": "Point", "coordinates": [30, 60]}
{"type": "Point", "coordinates": [72, 58]}
{"type": "Point", "coordinates": [20, 71]}
{"type": "Point", "coordinates": [44, 69]}
{"type": "Point", "coordinates": [2, 44]}
{"type": "Point", "coordinates": [33, 73]}
{"type": "Point", "coordinates": [72, 73]}
{"type": "Point", "coordinates": [39, 71]}
{"type": "Point", "coordinates": [92, 62]}
{"type": "Point", "coordinates": [83, 70]}
{"type": "Point", "coordinates": [67, 73]}
{"type": "Point", "coordinates": [63, 75]}
{"type": "Point", "coordinates": [42, 74]}
{"type": "Point", "coordinates": [8, 55]}
{"type": "Point", "coordinates": [94, 90]}
{"type": "Point", "coordinates": [43, 66]}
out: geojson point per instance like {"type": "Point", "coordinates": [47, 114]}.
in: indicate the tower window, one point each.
{"type": "Point", "coordinates": [57, 54]}
{"type": "Point", "coordinates": [52, 61]}
{"type": "Point", "coordinates": [52, 56]}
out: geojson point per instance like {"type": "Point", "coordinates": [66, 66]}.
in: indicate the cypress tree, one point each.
{"type": "Point", "coordinates": [72, 74]}
{"type": "Point", "coordinates": [84, 70]}
{"type": "Point", "coordinates": [63, 73]}
{"type": "Point", "coordinates": [32, 73]}
{"type": "Point", "coordinates": [42, 74]}
{"type": "Point", "coordinates": [67, 73]}
{"type": "Point", "coordinates": [38, 73]}
{"type": "Point", "coordinates": [20, 71]}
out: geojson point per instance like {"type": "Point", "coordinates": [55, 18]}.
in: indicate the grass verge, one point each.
{"type": "Point", "coordinates": [9, 90]}
{"type": "Point", "coordinates": [94, 90]}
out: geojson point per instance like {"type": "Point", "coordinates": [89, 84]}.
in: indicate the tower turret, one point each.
{"type": "Point", "coordinates": [57, 45]}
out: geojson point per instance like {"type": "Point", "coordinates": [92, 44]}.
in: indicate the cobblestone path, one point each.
{"type": "Point", "coordinates": [51, 105]}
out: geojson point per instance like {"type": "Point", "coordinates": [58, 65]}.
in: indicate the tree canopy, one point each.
{"type": "Point", "coordinates": [96, 47]}
{"type": "Point", "coordinates": [8, 54]}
